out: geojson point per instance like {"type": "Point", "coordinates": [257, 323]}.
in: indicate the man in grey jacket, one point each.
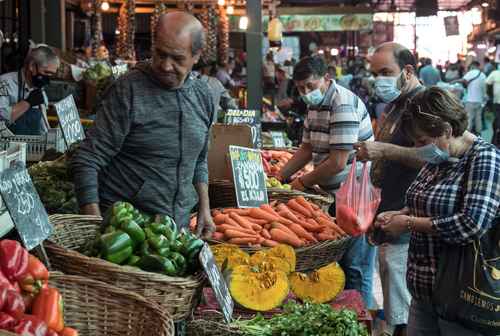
{"type": "Point", "coordinates": [149, 142]}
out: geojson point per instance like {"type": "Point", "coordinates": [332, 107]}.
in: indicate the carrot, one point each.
{"type": "Point", "coordinates": [240, 220]}
{"type": "Point", "coordinates": [218, 236]}
{"type": "Point", "coordinates": [268, 208]}
{"type": "Point", "coordinates": [243, 212]}
{"type": "Point", "coordinates": [329, 224]}
{"type": "Point", "coordinates": [267, 226]}
{"type": "Point", "coordinates": [237, 234]}
{"type": "Point", "coordinates": [265, 234]}
{"type": "Point", "coordinates": [270, 243]}
{"type": "Point", "coordinates": [283, 237]}
{"type": "Point", "coordinates": [300, 232]}
{"type": "Point", "coordinates": [220, 218]}
{"type": "Point", "coordinates": [302, 201]}
{"type": "Point", "coordinates": [242, 241]}
{"type": "Point", "coordinates": [216, 213]}
{"type": "Point", "coordinates": [225, 227]}
{"type": "Point", "coordinates": [262, 214]}
{"type": "Point", "coordinates": [287, 213]}
{"type": "Point", "coordinates": [284, 228]}
{"type": "Point", "coordinates": [293, 204]}
{"type": "Point", "coordinates": [315, 206]}
{"type": "Point", "coordinates": [257, 227]}
{"type": "Point", "coordinates": [255, 220]}
{"type": "Point", "coordinates": [326, 236]}
{"type": "Point", "coordinates": [234, 223]}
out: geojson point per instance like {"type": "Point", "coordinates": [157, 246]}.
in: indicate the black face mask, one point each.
{"type": "Point", "coordinates": [39, 80]}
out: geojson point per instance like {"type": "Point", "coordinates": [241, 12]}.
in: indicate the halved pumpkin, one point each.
{"type": "Point", "coordinates": [285, 252]}
{"type": "Point", "coordinates": [224, 251]}
{"type": "Point", "coordinates": [319, 286]}
{"type": "Point", "coordinates": [259, 288]}
{"type": "Point", "coordinates": [279, 263]}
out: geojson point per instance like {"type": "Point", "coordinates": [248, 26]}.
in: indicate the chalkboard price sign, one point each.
{"type": "Point", "coordinates": [218, 283]}
{"type": "Point", "coordinates": [248, 176]}
{"type": "Point", "coordinates": [278, 139]}
{"type": "Point", "coordinates": [248, 117]}
{"type": "Point", "coordinates": [119, 70]}
{"type": "Point", "coordinates": [69, 119]}
{"type": "Point", "coordinates": [24, 205]}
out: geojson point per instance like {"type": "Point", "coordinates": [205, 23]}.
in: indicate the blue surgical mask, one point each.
{"type": "Point", "coordinates": [386, 88]}
{"type": "Point", "coordinates": [314, 97]}
{"type": "Point", "coordinates": [433, 154]}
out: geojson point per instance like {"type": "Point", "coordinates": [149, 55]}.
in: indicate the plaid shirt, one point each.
{"type": "Point", "coordinates": [337, 123]}
{"type": "Point", "coordinates": [462, 197]}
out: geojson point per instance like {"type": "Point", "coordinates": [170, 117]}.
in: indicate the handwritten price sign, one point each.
{"type": "Point", "coordinates": [248, 176]}
{"type": "Point", "coordinates": [69, 118]}
{"type": "Point", "coordinates": [246, 117]}
{"type": "Point", "coordinates": [24, 205]}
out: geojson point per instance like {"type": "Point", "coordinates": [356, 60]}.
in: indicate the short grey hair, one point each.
{"type": "Point", "coordinates": [197, 40]}
{"type": "Point", "coordinates": [41, 56]}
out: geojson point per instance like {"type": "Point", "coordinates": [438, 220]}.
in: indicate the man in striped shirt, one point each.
{"type": "Point", "coordinates": [336, 120]}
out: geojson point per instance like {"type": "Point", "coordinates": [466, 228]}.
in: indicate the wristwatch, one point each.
{"type": "Point", "coordinates": [409, 223]}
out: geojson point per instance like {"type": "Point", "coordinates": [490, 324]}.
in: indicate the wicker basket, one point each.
{"type": "Point", "coordinates": [222, 195]}
{"type": "Point", "coordinates": [97, 309]}
{"type": "Point", "coordinates": [312, 256]}
{"type": "Point", "coordinates": [72, 235]}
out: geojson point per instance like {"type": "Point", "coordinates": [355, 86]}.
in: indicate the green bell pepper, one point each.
{"type": "Point", "coordinates": [113, 242]}
{"type": "Point", "coordinates": [159, 228]}
{"type": "Point", "coordinates": [133, 229]}
{"type": "Point", "coordinates": [164, 252]}
{"type": "Point", "coordinates": [133, 260]}
{"type": "Point", "coordinates": [194, 245]}
{"type": "Point", "coordinates": [178, 259]}
{"type": "Point", "coordinates": [120, 256]}
{"type": "Point", "coordinates": [176, 246]}
{"type": "Point", "coordinates": [159, 242]}
{"type": "Point", "coordinates": [159, 264]}
{"type": "Point", "coordinates": [145, 249]}
{"type": "Point", "coordinates": [110, 229]}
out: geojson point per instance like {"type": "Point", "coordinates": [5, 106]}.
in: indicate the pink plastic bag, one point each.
{"type": "Point", "coordinates": [357, 202]}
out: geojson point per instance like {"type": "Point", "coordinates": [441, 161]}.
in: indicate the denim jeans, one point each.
{"type": "Point", "coordinates": [358, 264]}
{"type": "Point", "coordinates": [424, 321]}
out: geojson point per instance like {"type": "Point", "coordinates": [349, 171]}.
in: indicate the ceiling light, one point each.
{"type": "Point", "coordinates": [243, 24]}
{"type": "Point", "coordinates": [230, 10]}
{"type": "Point", "coordinates": [321, 51]}
{"type": "Point", "coordinates": [482, 46]}
{"type": "Point", "coordinates": [334, 52]}
{"type": "Point", "coordinates": [105, 6]}
{"type": "Point", "coordinates": [492, 49]}
{"type": "Point", "coordinates": [485, 4]}
{"type": "Point", "coordinates": [221, 2]}
{"type": "Point", "coordinates": [117, 32]}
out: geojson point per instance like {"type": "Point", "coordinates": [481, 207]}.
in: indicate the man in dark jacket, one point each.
{"type": "Point", "coordinates": [149, 143]}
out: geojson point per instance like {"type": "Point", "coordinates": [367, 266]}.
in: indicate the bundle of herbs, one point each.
{"type": "Point", "coordinates": [306, 319]}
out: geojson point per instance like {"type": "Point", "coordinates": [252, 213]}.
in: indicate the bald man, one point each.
{"type": "Point", "coordinates": [394, 168]}
{"type": "Point", "coordinates": [148, 145]}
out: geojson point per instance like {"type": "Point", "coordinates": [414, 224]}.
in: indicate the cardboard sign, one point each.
{"type": "Point", "coordinates": [24, 205]}
{"type": "Point", "coordinates": [248, 176]}
{"type": "Point", "coordinates": [279, 139]}
{"type": "Point", "coordinates": [218, 283]}
{"type": "Point", "coordinates": [69, 119]}
{"type": "Point", "coordinates": [119, 70]}
{"type": "Point", "coordinates": [249, 117]}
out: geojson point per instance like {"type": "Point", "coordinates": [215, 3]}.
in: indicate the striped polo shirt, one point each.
{"type": "Point", "coordinates": [337, 123]}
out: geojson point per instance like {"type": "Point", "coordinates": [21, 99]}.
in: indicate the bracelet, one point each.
{"type": "Point", "coordinates": [409, 223]}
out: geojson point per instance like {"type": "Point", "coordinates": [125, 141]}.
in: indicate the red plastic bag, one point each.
{"type": "Point", "coordinates": [357, 202]}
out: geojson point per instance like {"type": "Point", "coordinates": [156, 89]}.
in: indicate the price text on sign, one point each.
{"type": "Point", "coordinates": [69, 118]}
{"type": "Point", "coordinates": [217, 281]}
{"type": "Point", "coordinates": [278, 139]}
{"type": "Point", "coordinates": [248, 176]}
{"type": "Point", "coordinates": [247, 117]}
{"type": "Point", "coordinates": [24, 205]}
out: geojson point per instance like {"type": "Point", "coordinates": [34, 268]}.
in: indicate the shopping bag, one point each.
{"type": "Point", "coordinates": [357, 202]}
{"type": "Point", "coordinates": [471, 296]}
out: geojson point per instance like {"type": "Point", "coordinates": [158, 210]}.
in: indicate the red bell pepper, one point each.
{"type": "Point", "coordinates": [7, 322]}
{"type": "Point", "coordinates": [13, 259]}
{"type": "Point", "coordinates": [11, 302]}
{"type": "Point", "coordinates": [48, 306]}
{"type": "Point", "coordinates": [30, 325]}
{"type": "Point", "coordinates": [37, 276]}
{"type": "Point", "coordinates": [51, 332]}
{"type": "Point", "coordinates": [4, 282]}
{"type": "Point", "coordinates": [68, 332]}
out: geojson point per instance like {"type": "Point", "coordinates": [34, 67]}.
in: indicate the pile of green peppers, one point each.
{"type": "Point", "coordinates": [153, 244]}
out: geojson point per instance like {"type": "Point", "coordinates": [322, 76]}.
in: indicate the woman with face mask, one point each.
{"type": "Point", "coordinates": [454, 200]}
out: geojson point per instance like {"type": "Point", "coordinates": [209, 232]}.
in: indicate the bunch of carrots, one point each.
{"type": "Point", "coordinates": [296, 223]}
{"type": "Point", "coordinates": [274, 160]}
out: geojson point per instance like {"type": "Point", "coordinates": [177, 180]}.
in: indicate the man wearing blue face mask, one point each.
{"type": "Point", "coordinates": [336, 120]}
{"type": "Point", "coordinates": [395, 83]}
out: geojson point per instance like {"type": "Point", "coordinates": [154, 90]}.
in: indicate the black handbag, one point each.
{"type": "Point", "coordinates": [467, 288]}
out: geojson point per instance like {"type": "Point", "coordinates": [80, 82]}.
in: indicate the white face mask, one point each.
{"type": "Point", "coordinates": [386, 88]}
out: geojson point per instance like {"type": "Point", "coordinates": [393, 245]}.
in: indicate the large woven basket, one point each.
{"type": "Point", "coordinates": [222, 195]}
{"type": "Point", "coordinates": [210, 324]}
{"type": "Point", "coordinates": [71, 237]}
{"type": "Point", "coordinates": [312, 256]}
{"type": "Point", "coordinates": [98, 309]}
